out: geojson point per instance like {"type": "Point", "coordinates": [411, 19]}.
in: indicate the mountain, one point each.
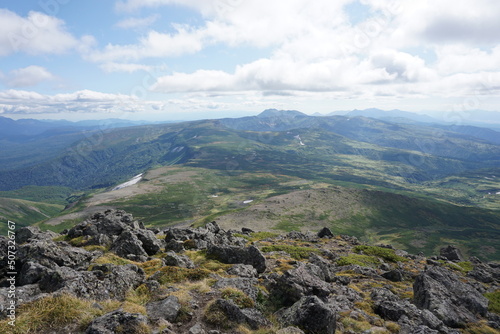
{"type": "Point", "coordinates": [280, 113]}
{"type": "Point", "coordinates": [394, 114]}
{"type": "Point", "coordinates": [110, 274]}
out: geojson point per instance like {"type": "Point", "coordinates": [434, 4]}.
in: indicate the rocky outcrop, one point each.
{"type": "Point", "coordinates": [212, 281]}
{"type": "Point", "coordinates": [118, 322]}
{"type": "Point", "coordinates": [451, 253]}
{"type": "Point", "coordinates": [449, 298]}
{"type": "Point", "coordinates": [311, 315]}
{"type": "Point", "coordinates": [233, 254]}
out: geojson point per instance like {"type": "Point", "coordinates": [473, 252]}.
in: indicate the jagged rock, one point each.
{"type": "Point", "coordinates": [213, 227]}
{"type": "Point", "coordinates": [325, 233]}
{"type": "Point", "coordinates": [232, 254]}
{"type": "Point", "coordinates": [149, 241]}
{"type": "Point", "coordinates": [110, 223]}
{"type": "Point", "coordinates": [103, 282]}
{"type": "Point", "coordinates": [167, 309]}
{"type": "Point", "coordinates": [290, 330]}
{"type": "Point", "coordinates": [176, 260]}
{"type": "Point", "coordinates": [51, 254]}
{"type": "Point", "coordinates": [234, 314]}
{"type": "Point", "coordinates": [128, 244]}
{"type": "Point", "coordinates": [298, 282]}
{"type": "Point", "coordinates": [443, 293]}
{"type": "Point", "coordinates": [451, 253]}
{"type": "Point", "coordinates": [174, 245]}
{"type": "Point", "coordinates": [118, 322]}
{"type": "Point", "coordinates": [327, 268]}
{"type": "Point", "coordinates": [31, 272]}
{"type": "Point", "coordinates": [24, 294]}
{"type": "Point", "coordinates": [242, 270]}
{"type": "Point", "coordinates": [247, 285]}
{"type": "Point", "coordinates": [418, 330]}
{"type": "Point", "coordinates": [196, 329]}
{"type": "Point", "coordinates": [394, 275]}
{"type": "Point", "coordinates": [311, 315]}
{"type": "Point", "coordinates": [246, 230]}
{"type": "Point", "coordinates": [391, 307]}
{"type": "Point", "coordinates": [24, 234]}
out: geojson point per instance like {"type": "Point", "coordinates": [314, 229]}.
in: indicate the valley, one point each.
{"type": "Point", "coordinates": [382, 182]}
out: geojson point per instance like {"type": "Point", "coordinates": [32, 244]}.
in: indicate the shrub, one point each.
{"type": "Point", "coordinates": [384, 253]}
{"type": "Point", "coordinates": [494, 298]}
{"type": "Point", "coordinates": [238, 297]}
{"type": "Point", "coordinates": [177, 274]}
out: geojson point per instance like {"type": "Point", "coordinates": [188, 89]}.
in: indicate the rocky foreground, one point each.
{"type": "Point", "coordinates": [109, 274]}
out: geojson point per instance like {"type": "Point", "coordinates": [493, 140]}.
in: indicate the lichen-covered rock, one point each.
{"type": "Point", "coordinates": [297, 283]}
{"type": "Point", "coordinates": [242, 270]}
{"type": "Point", "coordinates": [118, 322]}
{"type": "Point", "coordinates": [167, 309]}
{"type": "Point", "coordinates": [247, 285]}
{"type": "Point", "coordinates": [176, 260]}
{"type": "Point", "coordinates": [233, 254]}
{"type": "Point", "coordinates": [233, 314]}
{"type": "Point", "coordinates": [24, 234]}
{"type": "Point", "coordinates": [311, 315]}
{"type": "Point", "coordinates": [129, 246]}
{"type": "Point", "coordinates": [443, 293]}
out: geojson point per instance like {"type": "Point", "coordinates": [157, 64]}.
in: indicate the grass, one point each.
{"type": "Point", "coordinates": [296, 252]}
{"type": "Point", "coordinates": [358, 259]}
{"type": "Point", "coordinates": [238, 297]}
{"type": "Point", "coordinates": [176, 274]}
{"type": "Point", "coordinates": [385, 253]}
{"type": "Point", "coordinates": [494, 304]}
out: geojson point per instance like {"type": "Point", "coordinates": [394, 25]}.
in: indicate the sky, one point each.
{"type": "Point", "coordinates": [189, 59]}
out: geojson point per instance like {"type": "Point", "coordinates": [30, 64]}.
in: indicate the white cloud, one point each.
{"type": "Point", "coordinates": [84, 101]}
{"type": "Point", "coordinates": [155, 44]}
{"type": "Point", "coordinates": [135, 22]}
{"type": "Point", "coordinates": [124, 67]}
{"type": "Point", "coordinates": [35, 34]}
{"type": "Point", "coordinates": [28, 76]}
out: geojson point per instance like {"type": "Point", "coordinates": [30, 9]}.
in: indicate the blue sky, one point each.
{"type": "Point", "coordinates": [188, 59]}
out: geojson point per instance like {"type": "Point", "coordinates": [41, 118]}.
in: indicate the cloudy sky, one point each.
{"type": "Point", "coordinates": [185, 59]}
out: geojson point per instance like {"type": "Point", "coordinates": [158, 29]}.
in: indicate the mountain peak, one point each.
{"type": "Point", "coordinates": [280, 113]}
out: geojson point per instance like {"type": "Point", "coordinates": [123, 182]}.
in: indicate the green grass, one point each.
{"type": "Point", "coordinates": [384, 253]}
{"type": "Point", "coordinates": [296, 252]}
{"type": "Point", "coordinates": [358, 259]}
{"type": "Point", "coordinates": [494, 304]}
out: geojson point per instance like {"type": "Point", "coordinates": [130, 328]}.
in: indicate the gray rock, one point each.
{"type": "Point", "coordinates": [52, 255]}
{"type": "Point", "coordinates": [31, 272]}
{"type": "Point", "coordinates": [242, 270]}
{"type": "Point", "coordinates": [443, 293]}
{"type": "Point", "coordinates": [327, 269]}
{"type": "Point", "coordinates": [297, 283]}
{"type": "Point", "coordinates": [106, 281]}
{"type": "Point", "coordinates": [118, 322]}
{"type": "Point", "coordinates": [150, 243]}
{"type": "Point", "coordinates": [196, 329]}
{"type": "Point", "coordinates": [24, 234]}
{"type": "Point", "coordinates": [325, 233]}
{"type": "Point", "coordinates": [176, 260]}
{"type": "Point", "coordinates": [128, 244]}
{"type": "Point", "coordinates": [311, 315]}
{"type": "Point", "coordinates": [394, 275]}
{"type": "Point", "coordinates": [252, 317]}
{"type": "Point", "coordinates": [247, 285]}
{"type": "Point", "coordinates": [452, 253]}
{"type": "Point", "coordinates": [167, 309]}
{"type": "Point", "coordinates": [233, 254]}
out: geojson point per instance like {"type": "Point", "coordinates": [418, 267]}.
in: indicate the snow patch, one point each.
{"type": "Point", "coordinates": [133, 181]}
{"type": "Point", "coordinates": [248, 201]}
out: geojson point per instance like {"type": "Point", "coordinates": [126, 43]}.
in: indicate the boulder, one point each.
{"type": "Point", "coordinates": [233, 314]}
{"type": "Point", "coordinates": [103, 282]}
{"type": "Point", "coordinates": [128, 244]}
{"type": "Point", "coordinates": [242, 270]}
{"type": "Point", "coordinates": [247, 285]}
{"type": "Point", "coordinates": [51, 254]}
{"type": "Point", "coordinates": [24, 234]}
{"type": "Point", "coordinates": [176, 260]}
{"type": "Point", "coordinates": [393, 275]}
{"type": "Point", "coordinates": [297, 283]}
{"type": "Point", "coordinates": [167, 309]}
{"type": "Point", "coordinates": [325, 232]}
{"type": "Point", "coordinates": [327, 269]}
{"type": "Point", "coordinates": [197, 329]}
{"type": "Point", "coordinates": [118, 322]}
{"type": "Point", "coordinates": [233, 254]}
{"type": "Point", "coordinates": [452, 253]}
{"type": "Point", "coordinates": [444, 294]}
{"type": "Point", "coordinates": [311, 315]}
